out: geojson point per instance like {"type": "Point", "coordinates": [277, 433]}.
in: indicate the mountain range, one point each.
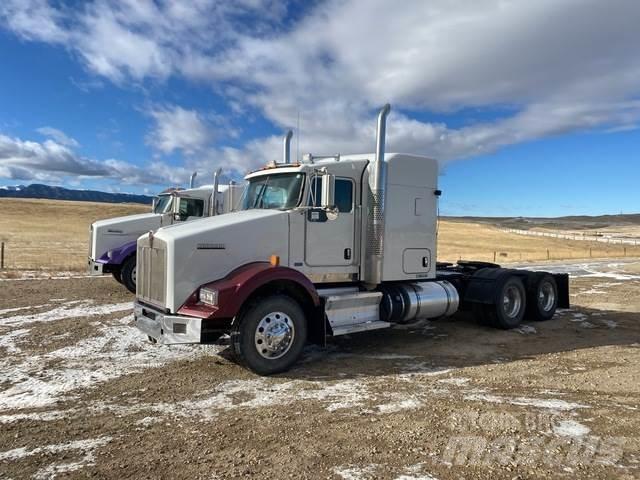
{"type": "Point", "coordinates": [60, 193]}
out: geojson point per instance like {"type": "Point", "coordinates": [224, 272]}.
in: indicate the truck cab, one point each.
{"type": "Point", "coordinates": [322, 247]}
{"type": "Point", "coordinates": [112, 242]}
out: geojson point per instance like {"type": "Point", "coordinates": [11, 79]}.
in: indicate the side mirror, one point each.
{"type": "Point", "coordinates": [328, 191]}
{"type": "Point", "coordinates": [153, 204]}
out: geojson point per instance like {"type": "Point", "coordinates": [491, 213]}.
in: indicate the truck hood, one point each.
{"type": "Point", "coordinates": [115, 232]}
{"type": "Point", "coordinates": [201, 252]}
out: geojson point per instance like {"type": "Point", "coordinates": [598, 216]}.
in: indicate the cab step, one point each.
{"type": "Point", "coordinates": [350, 312]}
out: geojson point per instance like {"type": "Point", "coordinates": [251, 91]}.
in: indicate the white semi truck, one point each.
{"type": "Point", "coordinates": [323, 247]}
{"type": "Point", "coordinates": [112, 242]}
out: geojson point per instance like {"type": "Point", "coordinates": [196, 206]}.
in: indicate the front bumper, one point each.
{"type": "Point", "coordinates": [95, 268]}
{"type": "Point", "coordinates": [167, 329]}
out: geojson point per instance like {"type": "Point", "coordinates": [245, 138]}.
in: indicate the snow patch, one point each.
{"type": "Point", "coordinates": [257, 393]}
{"type": "Point", "coordinates": [37, 416]}
{"type": "Point", "coordinates": [460, 382]}
{"type": "Point", "coordinates": [69, 310]}
{"type": "Point", "coordinates": [148, 421]}
{"type": "Point", "coordinates": [393, 407]}
{"type": "Point", "coordinates": [570, 428]}
{"type": "Point", "coordinates": [546, 403]}
{"type": "Point", "coordinates": [82, 445]}
{"type": "Point", "coordinates": [354, 472]}
{"type": "Point", "coordinates": [8, 340]}
{"type": "Point", "coordinates": [17, 309]}
{"type": "Point", "coordinates": [116, 350]}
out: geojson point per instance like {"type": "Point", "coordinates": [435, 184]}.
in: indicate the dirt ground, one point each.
{"type": "Point", "coordinates": [83, 394]}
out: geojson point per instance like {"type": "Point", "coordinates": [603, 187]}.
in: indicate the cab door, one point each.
{"type": "Point", "coordinates": [330, 243]}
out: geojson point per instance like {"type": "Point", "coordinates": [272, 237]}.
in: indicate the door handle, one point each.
{"type": "Point", "coordinates": [347, 254]}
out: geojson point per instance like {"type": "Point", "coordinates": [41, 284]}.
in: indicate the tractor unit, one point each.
{"type": "Point", "coordinates": [323, 247]}
{"type": "Point", "coordinates": [112, 242]}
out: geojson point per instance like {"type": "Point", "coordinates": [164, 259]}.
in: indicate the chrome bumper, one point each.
{"type": "Point", "coordinates": [167, 329]}
{"type": "Point", "coordinates": [94, 268]}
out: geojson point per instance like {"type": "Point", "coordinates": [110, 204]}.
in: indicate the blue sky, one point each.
{"type": "Point", "coordinates": [532, 108]}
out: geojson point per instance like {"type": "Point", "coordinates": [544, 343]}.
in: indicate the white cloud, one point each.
{"type": "Point", "coordinates": [59, 136]}
{"type": "Point", "coordinates": [548, 66]}
{"type": "Point", "coordinates": [177, 128]}
{"type": "Point", "coordinates": [53, 162]}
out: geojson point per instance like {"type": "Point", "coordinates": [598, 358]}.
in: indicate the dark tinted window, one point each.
{"type": "Point", "coordinates": [344, 194]}
{"type": "Point", "coordinates": [191, 207]}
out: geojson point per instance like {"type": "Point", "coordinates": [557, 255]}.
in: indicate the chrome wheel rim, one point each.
{"type": "Point", "coordinates": [133, 275]}
{"type": "Point", "coordinates": [274, 335]}
{"type": "Point", "coordinates": [512, 301]}
{"type": "Point", "coordinates": [546, 296]}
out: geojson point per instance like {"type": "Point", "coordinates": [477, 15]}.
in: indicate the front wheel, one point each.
{"type": "Point", "coordinates": [268, 337]}
{"type": "Point", "coordinates": [117, 276]}
{"type": "Point", "coordinates": [128, 274]}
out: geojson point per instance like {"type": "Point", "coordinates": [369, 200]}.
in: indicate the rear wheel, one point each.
{"type": "Point", "coordinates": [269, 335]}
{"type": "Point", "coordinates": [128, 274]}
{"type": "Point", "coordinates": [510, 304]}
{"type": "Point", "coordinates": [542, 300]}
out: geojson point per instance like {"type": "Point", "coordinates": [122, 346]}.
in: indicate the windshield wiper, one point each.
{"type": "Point", "coordinates": [260, 196]}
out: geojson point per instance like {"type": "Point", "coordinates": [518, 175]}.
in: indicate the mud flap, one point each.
{"type": "Point", "coordinates": [562, 281]}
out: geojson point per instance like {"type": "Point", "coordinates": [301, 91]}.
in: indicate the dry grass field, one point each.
{"type": "Point", "coordinates": [479, 241]}
{"type": "Point", "coordinates": [50, 234]}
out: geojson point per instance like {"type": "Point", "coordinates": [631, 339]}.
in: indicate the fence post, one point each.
{"type": "Point", "coordinates": [590, 253]}
{"type": "Point", "coordinates": [1, 255]}
{"type": "Point", "coordinates": [548, 256]}
{"type": "Point", "coordinates": [494, 257]}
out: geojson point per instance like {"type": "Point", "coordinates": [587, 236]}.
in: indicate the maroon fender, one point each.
{"type": "Point", "coordinates": [235, 288]}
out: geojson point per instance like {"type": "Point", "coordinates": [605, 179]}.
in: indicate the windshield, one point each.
{"type": "Point", "coordinates": [279, 191]}
{"type": "Point", "coordinates": [162, 204]}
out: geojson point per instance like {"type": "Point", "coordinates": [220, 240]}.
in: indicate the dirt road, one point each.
{"type": "Point", "coordinates": [83, 394]}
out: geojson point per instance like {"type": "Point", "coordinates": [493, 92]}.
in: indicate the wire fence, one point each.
{"type": "Point", "coordinates": [515, 256]}
{"type": "Point", "coordinates": [601, 237]}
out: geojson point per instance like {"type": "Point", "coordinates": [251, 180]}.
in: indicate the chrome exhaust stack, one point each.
{"type": "Point", "coordinates": [192, 179]}
{"type": "Point", "coordinates": [214, 194]}
{"type": "Point", "coordinates": [286, 147]}
{"type": "Point", "coordinates": [375, 233]}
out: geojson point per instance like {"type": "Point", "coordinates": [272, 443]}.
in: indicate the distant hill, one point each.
{"type": "Point", "coordinates": [60, 193]}
{"type": "Point", "coordinates": [577, 222]}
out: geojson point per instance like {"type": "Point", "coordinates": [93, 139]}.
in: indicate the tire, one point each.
{"type": "Point", "coordinates": [542, 299]}
{"type": "Point", "coordinates": [510, 304]}
{"type": "Point", "coordinates": [250, 342]}
{"type": "Point", "coordinates": [128, 274]}
{"type": "Point", "coordinates": [116, 274]}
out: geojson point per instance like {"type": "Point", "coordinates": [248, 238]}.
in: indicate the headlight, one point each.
{"type": "Point", "coordinates": [209, 296]}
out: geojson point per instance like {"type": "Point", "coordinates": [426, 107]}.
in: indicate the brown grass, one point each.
{"type": "Point", "coordinates": [474, 241]}
{"type": "Point", "coordinates": [52, 234]}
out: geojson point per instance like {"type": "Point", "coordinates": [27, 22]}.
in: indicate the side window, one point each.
{"type": "Point", "coordinates": [343, 194]}
{"type": "Point", "coordinates": [191, 207]}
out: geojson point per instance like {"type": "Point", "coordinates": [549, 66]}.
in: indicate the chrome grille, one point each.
{"type": "Point", "coordinates": [152, 272]}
